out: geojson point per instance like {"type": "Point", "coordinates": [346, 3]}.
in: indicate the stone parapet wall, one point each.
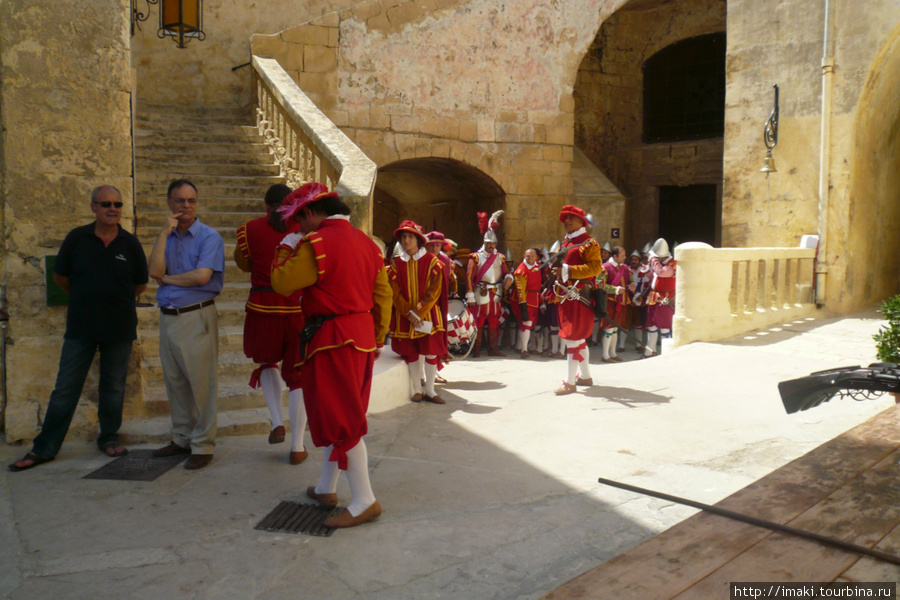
{"type": "Point", "coordinates": [66, 121]}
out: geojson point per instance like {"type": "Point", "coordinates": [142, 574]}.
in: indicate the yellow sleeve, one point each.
{"type": "Point", "coordinates": [243, 261]}
{"type": "Point", "coordinates": [432, 291]}
{"type": "Point", "coordinates": [400, 303]}
{"type": "Point", "coordinates": [381, 310]}
{"type": "Point", "coordinates": [593, 264]}
{"type": "Point", "coordinates": [293, 270]}
{"type": "Point", "coordinates": [521, 285]}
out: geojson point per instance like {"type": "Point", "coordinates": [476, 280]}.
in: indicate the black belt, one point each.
{"type": "Point", "coordinates": [261, 289]}
{"type": "Point", "coordinates": [184, 309]}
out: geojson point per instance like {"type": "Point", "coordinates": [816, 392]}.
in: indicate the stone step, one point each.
{"type": "Point", "coordinates": [190, 148]}
{"type": "Point", "coordinates": [231, 339]}
{"type": "Point", "coordinates": [238, 189]}
{"type": "Point", "coordinates": [259, 154]}
{"type": "Point", "coordinates": [178, 133]}
{"type": "Point", "coordinates": [206, 216]}
{"type": "Point", "coordinates": [255, 207]}
{"type": "Point", "coordinates": [230, 314]}
{"type": "Point", "coordinates": [174, 120]}
{"type": "Point", "coordinates": [157, 169]}
{"type": "Point", "coordinates": [234, 290]}
{"type": "Point", "coordinates": [251, 421]}
{"type": "Point", "coordinates": [147, 233]}
{"type": "Point", "coordinates": [168, 111]}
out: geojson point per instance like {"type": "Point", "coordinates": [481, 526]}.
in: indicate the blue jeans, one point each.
{"type": "Point", "coordinates": [74, 363]}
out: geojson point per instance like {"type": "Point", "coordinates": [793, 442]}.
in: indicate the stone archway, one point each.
{"type": "Point", "coordinates": [437, 193]}
{"type": "Point", "coordinates": [865, 233]}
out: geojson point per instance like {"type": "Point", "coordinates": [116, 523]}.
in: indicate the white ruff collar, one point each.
{"type": "Point", "coordinates": [575, 234]}
{"type": "Point", "coordinates": [406, 257]}
{"type": "Point", "coordinates": [536, 266]}
{"type": "Point", "coordinates": [344, 217]}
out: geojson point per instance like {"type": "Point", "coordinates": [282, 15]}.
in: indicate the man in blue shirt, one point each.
{"type": "Point", "coordinates": [103, 268]}
{"type": "Point", "coordinates": [188, 263]}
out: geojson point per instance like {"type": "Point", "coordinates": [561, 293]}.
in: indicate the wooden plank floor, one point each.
{"type": "Point", "coordinates": [848, 488]}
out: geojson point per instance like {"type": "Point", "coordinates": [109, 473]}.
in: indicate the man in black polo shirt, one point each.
{"type": "Point", "coordinates": [103, 268]}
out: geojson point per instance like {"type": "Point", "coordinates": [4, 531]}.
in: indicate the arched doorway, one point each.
{"type": "Point", "coordinates": [437, 193]}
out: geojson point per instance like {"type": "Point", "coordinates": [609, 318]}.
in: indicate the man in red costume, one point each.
{"type": "Point", "coordinates": [618, 275]}
{"type": "Point", "coordinates": [346, 301]}
{"type": "Point", "coordinates": [273, 322]}
{"type": "Point", "coordinates": [417, 321]}
{"type": "Point", "coordinates": [661, 301]}
{"type": "Point", "coordinates": [528, 280]}
{"type": "Point", "coordinates": [575, 280]}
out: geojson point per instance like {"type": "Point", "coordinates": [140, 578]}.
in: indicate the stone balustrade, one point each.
{"type": "Point", "coordinates": [307, 145]}
{"type": "Point", "coordinates": [721, 292]}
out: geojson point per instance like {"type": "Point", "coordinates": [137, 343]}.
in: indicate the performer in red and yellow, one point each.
{"type": "Point", "coordinates": [488, 277]}
{"type": "Point", "coordinates": [346, 301]}
{"type": "Point", "coordinates": [273, 321]}
{"type": "Point", "coordinates": [528, 280]}
{"type": "Point", "coordinates": [618, 275]}
{"type": "Point", "coordinates": [575, 280]}
{"type": "Point", "coordinates": [417, 325]}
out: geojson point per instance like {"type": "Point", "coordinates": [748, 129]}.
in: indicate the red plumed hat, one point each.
{"type": "Point", "coordinates": [412, 228]}
{"type": "Point", "coordinates": [302, 196]}
{"type": "Point", "coordinates": [570, 209]}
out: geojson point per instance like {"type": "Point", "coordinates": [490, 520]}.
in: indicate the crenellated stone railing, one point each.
{"type": "Point", "coordinates": [307, 145]}
{"type": "Point", "coordinates": [721, 292]}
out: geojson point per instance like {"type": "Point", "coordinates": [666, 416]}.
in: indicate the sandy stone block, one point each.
{"type": "Point", "coordinates": [513, 230]}
{"type": "Point", "coordinates": [552, 152]}
{"type": "Point", "coordinates": [536, 167]}
{"type": "Point", "coordinates": [533, 152]}
{"type": "Point", "coordinates": [334, 37]}
{"type": "Point", "coordinates": [468, 130]}
{"type": "Point", "coordinates": [323, 85]}
{"type": "Point", "coordinates": [403, 14]}
{"type": "Point", "coordinates": [560, 168]}
{"type": "Point", "coordinates": [441, 148]}
{"type": "Point", "coordinates": [446, 3]}
{"type": "Point", "coordinates": [341, 118]}
{"type": "Point", "coordinates": [306, 34]}
{"type": "Point", "coordinates": [458, 150]}
{"type": "Point", "coordinates": [486, 130]}
{"type": "Point", "coordinates": [387, 5]}
{"type": "Point", "coordinates": [564, 136]}
{"type": "Point", "coordinates": [366, 10]}
{"type": "Point", "coordinates": [266, 45]}
{"type": "Point", "coordinates": [359, 117]}
{"type": "Point", "coordinates": [540, 134]}
{"type": "Point", "coordinates": [529, 184]}
{"type": "Point", "coordinates": [567, 103]}
{"type": "Point", "coordinates": [512, 116]}
{"type": "Point", "coordinates": [514, 132]}
{"type": "Point", "coordinates": [329, 20]}
{"type": "Point", "coordinates": [378, 146]}
{"type": "Point", "coordinates": [474, 155]}
{"type": "Point", "coordinates": [558, 185]}
{"type": "Point", "coordinates": [406, 123]}
{"type": "Point", "coordinates": [440, 126]}
{"type": "Point", "coordinates": [378, 119]}
{"type": "Point", "coordinates": [424, 147]}
{"type": "Point", "coordinates": [319, 59]}
{"type": "Point", "coordinates": [397, 108]}
{"type": "Point", "coordinates": [568, 153]}
{"type": "Point", "coordinates": [406, 145]}
{"type": "Point", "coordinates": [379, 22]}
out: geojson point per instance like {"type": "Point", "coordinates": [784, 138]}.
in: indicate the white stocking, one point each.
{"type": "Point", "coordinates": [652, 336]}
{"type": "Point", "coordinates": [607, 340]}
{"type": "Point", "coordinates": [270, 381]}
{"type": "Point", "coordinates": [613, 334]}
{"type": "Point", "coordinates": [430, 373]}
{"type": "Point", "coordinates": [585, 365]}
{"type": "Point", "coordinates": [554, 343]}
{"type": "Point", "coordinates": [330, 473]}
{"type": "Point", "coordinates": [361, 494]}
{"type": "Point", "coordinates": [297, 415]}
{"type": "Point", "coordinates": [571, 363]}
{"type": "Point", "coordinates": [415, 374]}
{"type": "Point", "coordinates": [525, 336]}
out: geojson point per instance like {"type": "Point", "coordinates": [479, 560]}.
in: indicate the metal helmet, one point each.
{"type": "Point", "coordinates": [490, 236]}
{"type": "Point", "coordinates": [607, 247]}
{"type": "Point", "coordinates": [660, 249]}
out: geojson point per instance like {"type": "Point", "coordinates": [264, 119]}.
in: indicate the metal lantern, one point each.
{"type": "Point", "coordinates": [770, 137]}
{"type": "Point", "coordinates": [182, 20]}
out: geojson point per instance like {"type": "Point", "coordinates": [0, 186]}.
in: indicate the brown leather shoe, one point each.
{"type": "Point", "coordinates": [651, 355]}
{"type": "Point", "coordinates": [439, 379]}
{"type": "Point", "coordinates": [524, 354]}
{"type": "Point", "coordinates": [298, 457]}
{"type": "Point", "coordinates": [616, 359]}
{"type": "Point", "coordinates": [589, 381]}
{"type": "Point", "coordinates": [345, 519]}
{"type": "Point", "coordinates": [417, 397]}
{"type": "Point", "coordinates": [276, 436]}
{"type": "Point", "coordinates": [436, 399]}
{"type": "Point", "coordinates": [329, 500]}
{"type": "Point", "coordinates": [170, 449]}
{"type": "Point", "coordinates": [197, 461]}
{"type": "Point", "coordinates": [565, 389]}
{"type": "Point", "coordinates": [608, 360]}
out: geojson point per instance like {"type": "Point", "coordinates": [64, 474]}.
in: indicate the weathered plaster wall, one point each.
{"type": "Point", "coordinates": [65, 98]}
{"type": "Point", "coordinates": [485, 82]}
{"type": "Point", "coordinates": [200, 74]}
{"type": "Point", "coordinates": [609, 108]}
{"type": "Point", "coordinates": [776, 41]}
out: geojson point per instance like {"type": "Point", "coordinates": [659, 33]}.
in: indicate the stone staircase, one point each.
{"type": "Point", "coordinates": [599, 196]}
{"type": "Point", "coordinates": [226, 159]}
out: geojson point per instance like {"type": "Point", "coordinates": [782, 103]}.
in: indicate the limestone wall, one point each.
{"type": "Point", "coordinates": [200, 74]}
{"type": "Point", "coordinates": [609, 105]}
{"type": "Point", "coordinates": [781, 41]}
{"type": "Point", "coordinates": [65, 97]}
{"type": "Point", "coordinates": [485, 82]}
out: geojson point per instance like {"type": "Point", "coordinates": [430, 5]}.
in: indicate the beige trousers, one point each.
{"type": "Point", "coordinates": [189, 353]}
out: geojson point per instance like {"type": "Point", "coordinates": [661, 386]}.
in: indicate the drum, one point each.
{"type": "Point", "coordinates": [460, 329]}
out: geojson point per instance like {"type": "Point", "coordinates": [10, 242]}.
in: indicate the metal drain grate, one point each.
{"type": "Point", "coordinates": [137, 465]}
{"type": "Point", "coordinates": [292, 517]}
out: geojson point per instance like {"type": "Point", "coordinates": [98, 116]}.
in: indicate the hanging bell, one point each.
{"type": "Point", "coordinates": [768, 164]}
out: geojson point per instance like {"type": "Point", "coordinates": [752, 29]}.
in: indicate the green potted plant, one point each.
{"type": "Point", "coordinates": [887, 340]}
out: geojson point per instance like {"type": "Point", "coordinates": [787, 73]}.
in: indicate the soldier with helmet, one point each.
{"type": "Point", "coordinates": [488, 278]}
{"type": "Point", "coordinates": [661, 300]}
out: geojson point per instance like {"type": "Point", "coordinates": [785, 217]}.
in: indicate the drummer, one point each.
{"type": "Point", "coordinates": [417, 323]}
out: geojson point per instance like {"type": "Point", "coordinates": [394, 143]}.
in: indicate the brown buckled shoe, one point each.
{"type": "Point", "coordinates": [276, 436]}
{"type": "Point", "coordinates": [565, 389]}
{"type": "Point", "coordinates": [417, 397]}
{"type": "Point", "coordinates": [435, 399]}
{"type": "Point", "coordinates": [197, 461]}
{"type": "Point", "coordinates": [298, 457]}
{"type": "Point", "coordinates": [588, 382]}
{"type": "Point", "coordinates": [170, 449]}
{"type": "Point", "coordinates": [329, 500]}
{"type": "Point", "coordinates": [345, 519]}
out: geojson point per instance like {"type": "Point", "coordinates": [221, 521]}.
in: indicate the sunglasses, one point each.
{"type": "Point", "coordinates": [107, 204]}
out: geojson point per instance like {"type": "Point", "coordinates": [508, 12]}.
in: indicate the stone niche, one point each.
{"type": "Point", "coordinates": [609, 108]}
{"type": "Point", "coordinates": [66, 97]}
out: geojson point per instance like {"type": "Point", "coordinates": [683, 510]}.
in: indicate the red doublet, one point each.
{"type": "Point", "coordinates": [337, 373]}
{"type": "Point", "coordinates": [617, 304]}
{"type": "Point", "coordinates": [576, 319]}
{"type": "Point", "coordinates": [529, 281]}
{"type": "Point", "coordinates": [661, 301]}
{"type": "Point", "coordinates": [273, 321]}
{"type": "Point", "coordinates": [417, 285]}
